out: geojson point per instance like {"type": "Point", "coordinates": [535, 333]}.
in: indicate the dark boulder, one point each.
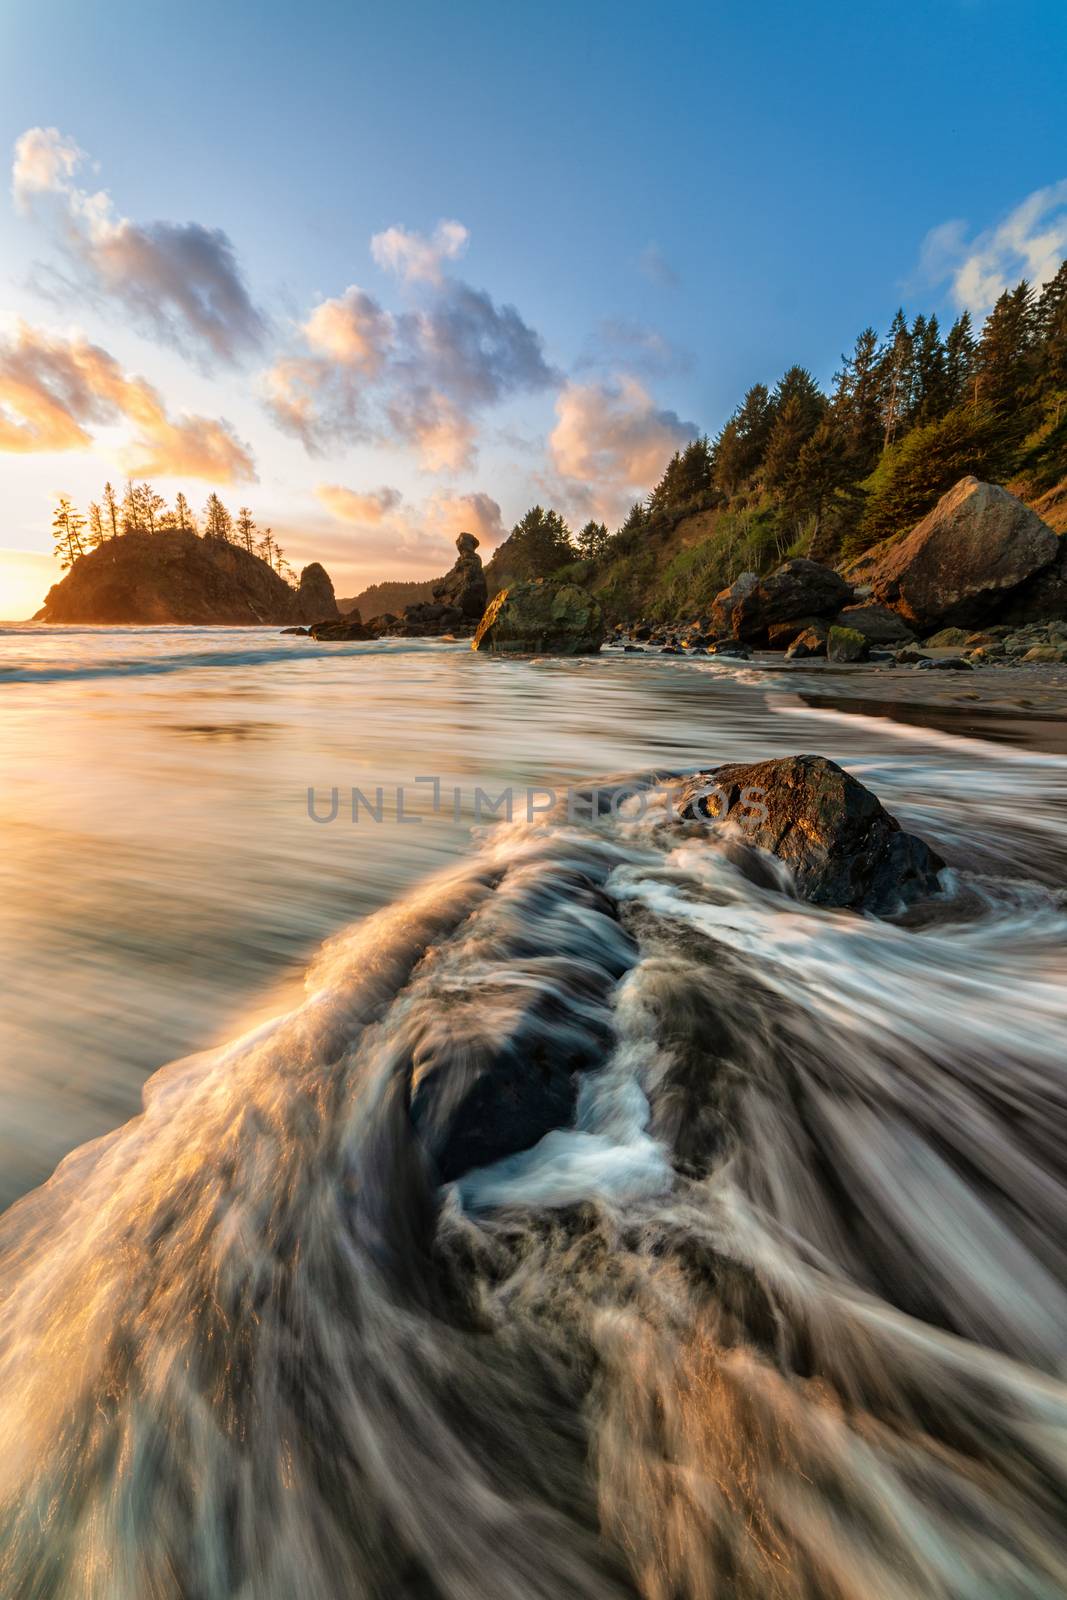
{"type": "Point", "coordinates": [339, 629]}
{"type": "Point", "coordinates": [780, 635]}
{"type": "Point", "coordinates": [877, 623]}
{"type": "Point", "coordinates": [797, 589]}
{"type": "Point", "coordinates": [494, 1061]}
{"type": "Point", "coordinates": [841, 845]}
{"type": "Point", "coordinates": [1042, 598]}
{"type": "Point", "coordinates": [963, 561]}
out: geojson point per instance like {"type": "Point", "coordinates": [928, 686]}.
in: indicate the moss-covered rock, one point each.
{"type": "Point", "coordinates": [541, 618]}
{"type": "Point", "coordinates": [846, 644]}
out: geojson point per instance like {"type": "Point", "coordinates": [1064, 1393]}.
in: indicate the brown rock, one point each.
{"type": "Point", "coordinates": [977, 546]}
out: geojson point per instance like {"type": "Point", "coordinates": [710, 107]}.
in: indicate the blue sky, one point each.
{"type": "Point", "coordinates": [676, 201]}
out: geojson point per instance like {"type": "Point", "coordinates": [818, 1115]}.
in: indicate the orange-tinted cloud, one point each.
{"type": "Point", "coordinates": [181, 281]}
{"type": "Point", "coordinates": [53, 389]}
{"type": "Point", "coordinates": [612, 439]}
{"type": "Point", "coordinates": [350, 505]}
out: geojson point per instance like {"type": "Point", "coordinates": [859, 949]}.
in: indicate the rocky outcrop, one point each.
{"type": "Point", "coordinates": [458, 600]}
{"type": "Point", "coordinates": [536, 617]}
{"type": "Point", "coordinates": [315, 598]}
{"type": "Point", "coordinates": [961, 563]}
{"type": "Point", "coordinates": [175, 578]}
{"type": "Point", "coordinates": [799, 591]}
{"type": "Point", "coordinates": [341, 629]}
{"type": "Point", "coordinates": [842, 847]}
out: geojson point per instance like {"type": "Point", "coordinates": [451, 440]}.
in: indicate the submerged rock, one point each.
{"type": "Point", "coordinates": [340, 629]}
{"type": "Point", "coordinates": [962, 561]}
{"type": "Point", "coordinates": [536, 617]}
{"type": "Point", "coordinates": [841, 845]}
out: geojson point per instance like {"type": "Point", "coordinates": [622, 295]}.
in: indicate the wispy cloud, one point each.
{"type": "Point", "coordinates": [180, 281]}
{"type": "Point", "coordinates": [1030, 242]}
{"type": "Point", "coordinates": [54, 389]}
{"type": "Point", "coordinates": [384, 528]}
{"type": "Point", "coordinates": [419, 376]}
{"type": "Point", "coordinates": [415, 257]}
{"type": "Point", "coordinates": [633, 346]}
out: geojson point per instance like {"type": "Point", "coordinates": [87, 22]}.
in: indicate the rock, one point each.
{"type": "Point", "coordinates": [877, 623]}
{"type": "Point", "coordinates": [780, 635]}
{"type": "Point", "coordinates": [494, 1066]}
{"type": "Point", "coordinates": [727, 601]}
{"type": "Point", "coordinates": [730, 647]}
{"type": "Point", "coordinates": [977, 546]}
{"type": "Point", "coordinates": [842, 847]}
{"type": "Point", "coordinates": [340, 629]}
{"type": "Point", "coordinates": [541, 618]}
{"type": "Point", "coordinates": [812, 642]}
{"type": "Point", "coordinates": [1043, 596]}
{"type": "Point", "coordinates": [946, 664]}
{"type": "Point", "coordinates": [303, 631]}
{"type": "Point", "coordinates": [464, 588]}
{"type": "Point", "coordinates": [946, 638]}
{"type": "Point", "coordinates": [846, 644]}
{"type": "Point", "coordinates": [315, 597]}
{"type": "Point", "coordinates": [797, 589]}
{"type": "Point", "coordinates": [172, 577]}
{"type": "Point", "coordinates": [1046, 652]}
{"type": "Point", "coordinates": [909, 657]}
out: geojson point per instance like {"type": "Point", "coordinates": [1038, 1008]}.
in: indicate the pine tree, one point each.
{"type": "Point", "coordinates": [245, 529]}
{"type": "Point", "coordinates": [591, 540]}
{"type": "Point", "coordinates": [1005, 362]}
{"type": "Point", "coordinates": [960, 352]}
{"type": "Point", "coordinates": [67, 527]}
{"type": "Point", "coordinates": [151, 505]}
{"type": "Point", "coordinates": [857, 403]}
{"type": "Point", "coordinates": [799, 407]}
{"type": "Point", "coordinates": [896, 378]}
{"type": "Point", "coordinates": [184, 520]}
{"type": "Point", "coordinates": [217, 520]}
{"type": "Point", "coordinates": [132, 511]}
{"type": "Point", "coordinates": [929, 397]}
{"type": "Point", "coordinates": [96, 526]}
{"type": "Point", "coordinates": [111, 511]}
{"type": "Point", "coordinates": [538, 544]}
{"type": "Point", "coordinates": [1050, 331]}
{"type": "Point", "coordinates": [742, 444]}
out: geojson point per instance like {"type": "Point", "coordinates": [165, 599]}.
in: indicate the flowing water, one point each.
{"type": "Point", "coordinates": [781, 1312]}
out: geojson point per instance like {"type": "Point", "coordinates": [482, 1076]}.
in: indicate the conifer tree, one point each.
{"type": "Point", "coordinates": [245, 529]}
{"type": "Point", "coordinates": [111, 511]}
{"type": "Point", "coordinates": [96, 526]}
{"type": "Point", "coordinates": [67, 527]}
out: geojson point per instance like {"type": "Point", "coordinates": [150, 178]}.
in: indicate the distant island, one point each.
{"type": "Point", "coordinates": [141, 562]}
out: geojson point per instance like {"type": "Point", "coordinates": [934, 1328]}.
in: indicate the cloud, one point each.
{"type": "Point", "coordinates": [612, 439]}
{"type": "Point", "coordinates": [415, 258]}
{"type": "Point", "coordinates": [478, 513]}
{"type": "Point", "coordinates": [349, 505]}
{"type": "Point", "coordinates": [352, 330]}
{"type": "Point", "coordinates": [418, 377]}
{"type": "Point", "coordinates": [636, 347]}
{"type": "Point", "coordinates": [1030, 242]}
{"type": "Point", "coordinates": [656, 268]}
{"type": "Point", "coordinates": [181, 281]}
{"type": "Point", "coordinates": [53, 389]}
{"type": "Point", "coordinates": [419, 540]}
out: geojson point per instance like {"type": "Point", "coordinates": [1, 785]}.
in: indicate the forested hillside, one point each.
{"type": "Point", "coordinates": [796, 471]}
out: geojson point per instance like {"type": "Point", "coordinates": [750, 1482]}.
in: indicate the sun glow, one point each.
{"type": "Point", "coordinates": [25, 578]}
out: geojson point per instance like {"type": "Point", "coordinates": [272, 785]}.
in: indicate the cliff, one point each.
{"type": "Point", "coordinates": [182, 578]}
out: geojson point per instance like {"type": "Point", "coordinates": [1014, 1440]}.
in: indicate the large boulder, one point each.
{"type": "Point", "coordinates": [842, 847]}
{"type": "Point", "coordinates": [846, 644]}
{"type": "Point", "coordinates": [958, 566]}
{"type": "Point", "coordinates": [728, 600]}
{"type": "Point", "coordinates": [536, 617]}
{"type": "Point", "coordinates": [315, 599]}
{"type": "Point", "coordinates": [878, 624]}
{"type": "Point", "coordinates": [797, 590]}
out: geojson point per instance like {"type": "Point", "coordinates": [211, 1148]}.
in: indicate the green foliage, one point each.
{"type": "Point", "coordinates": [910, 478]}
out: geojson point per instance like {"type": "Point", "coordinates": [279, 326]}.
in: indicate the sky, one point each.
{"type": "Point", "coordinates": [383, 274]}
